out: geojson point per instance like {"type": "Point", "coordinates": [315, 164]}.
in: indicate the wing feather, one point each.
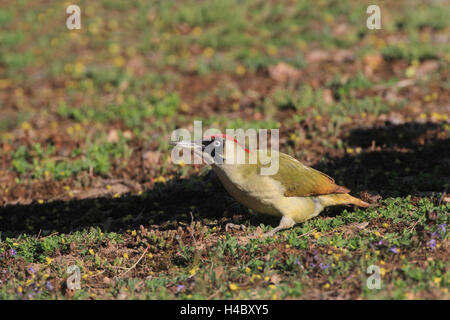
{"type": "Point", "coordinates": [303, 181]}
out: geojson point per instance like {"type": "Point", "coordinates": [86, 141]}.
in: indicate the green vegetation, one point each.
{"type": "Point", "coordinates": [85, 171]}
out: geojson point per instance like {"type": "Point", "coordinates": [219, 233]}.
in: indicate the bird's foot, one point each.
{"type": "Point", "coordinates": [285, 223]}
{"type": "Point", "coordinates": [229, 226]}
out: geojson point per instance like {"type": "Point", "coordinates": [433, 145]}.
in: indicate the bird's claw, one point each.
{"type": "Point", "coordinates": [234, 226]}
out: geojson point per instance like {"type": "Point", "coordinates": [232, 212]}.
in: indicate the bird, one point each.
{"type": "Point", "coordinates": [295, 192]}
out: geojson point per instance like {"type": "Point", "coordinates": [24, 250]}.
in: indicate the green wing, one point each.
{"type": "Point", "coordinates": [303, 181]}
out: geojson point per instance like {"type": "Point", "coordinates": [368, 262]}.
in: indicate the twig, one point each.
{"type": "Point", "coordinates": [213, 295]}
{"type": "Point", "coordinates": [126, 182]}
{"type": "Point", "coordinates": [443, 196]}
{"type": "Point", "coordinates": [134, 265]}
{"type": "Point", "coordinates": [417, 221]}
{"type": "Point", "coordinates": [97, 274]}
{"type": "Point", "coordinates": [305, 234]}
{"type": "Point", "coordinates": [192, 230]}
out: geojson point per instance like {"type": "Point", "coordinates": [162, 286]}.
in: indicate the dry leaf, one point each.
{"type": "Point", "coordinates": [316, 56]}
{"type": "Point", "coordinates": [275, 278]}
{"type": "Point", "coordinates": [283, 72]}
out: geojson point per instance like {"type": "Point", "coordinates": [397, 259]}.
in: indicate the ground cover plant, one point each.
{"type": "Point", "coordinates": [85, 172]}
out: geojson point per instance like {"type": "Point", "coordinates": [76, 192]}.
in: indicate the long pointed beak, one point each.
{"type": "Point", "coordinates": [187, 144]}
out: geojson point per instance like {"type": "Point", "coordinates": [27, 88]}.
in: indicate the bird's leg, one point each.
{"type": "Point", "coordinates": [285, 223]}
{"type": "Point", "coordinates": [234, 226]}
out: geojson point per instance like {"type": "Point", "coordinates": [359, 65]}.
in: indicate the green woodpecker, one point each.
{"type": "Point", "coordinates": [295, 192]}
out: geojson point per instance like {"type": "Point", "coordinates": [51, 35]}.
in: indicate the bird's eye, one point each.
{"type": "Point", "coordinates": [217, 143]}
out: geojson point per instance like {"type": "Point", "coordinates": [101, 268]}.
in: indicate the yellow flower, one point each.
{"type": "Point", "coordinates": [40, 201]}
{"type": "Point", "coordinates": [26, 125]}
{"type": "Point", "coordinates": [316, 235]}
{"type": "Point", "coordinates": [233, 287]}
{"type": "Point", "coordinates": [378, 234]}
{"type": "Point", "coordinates": [119, 61]}
{"type": "Point", "coordinates": [4, 83]}
{"type": "Point", "coordinates": [78, 68]}
{"type": "Point", "coordinates": [125, 255]}
{"type": "Point", "coordinates": [69, 130]}
{"type": "Point", "coordinates": [326, 286]}
{"type": "Point", "coordinates": [240, 70]}
{"type": "Point", "coordinates": [181, 163]}
{"type": "Point", "coordinates": [197, 31]}
{"type": "Point", "coordinates": [383, 272]}
{"type": "Point", "coordinates": [159, 179]}
{"type": "Point", "coordinates": [91, 251]}
{"type": "Point", "coordinates": [247, 270]}
{"type": "Point", "coordinates": [437, 280]}
{"type": "Point", "coordinates": [133, 233]}
{"type": "Point", "coordinates": [208, 52]}
{"type": "Point", "coordinates": [184, 107]}
{"type": "Point", "coordinates": [114, 49]}
{"type": "Point", "coordinates": [94, 28]}
{"type": "Point", "coordinates": [272, 50]}
{"type": "Point", "coordinates": [49, 260]}
{"type": "Point", "coordinates": [385, 225]}
{"type": "Point", "coordinates": [193, 271]}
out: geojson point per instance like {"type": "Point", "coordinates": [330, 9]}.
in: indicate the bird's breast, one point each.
{"type": "Point", "coordinates": [257, 192]}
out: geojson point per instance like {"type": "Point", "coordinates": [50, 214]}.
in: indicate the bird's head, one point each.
{"type": "Point", "coordinates": [215, 149]}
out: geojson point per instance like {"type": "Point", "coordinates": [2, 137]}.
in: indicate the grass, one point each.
{"type": "Point", "coordinates": [85, 171]}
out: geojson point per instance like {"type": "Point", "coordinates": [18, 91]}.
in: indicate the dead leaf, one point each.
{"type": "Point", "coordinates": [343, 56]}
{"type": "Point", "coordinates": [127, 134]}
{"type": "Point", "coordinates": [218, 272]}
{"type": "Point", "coordinates": [427, 67]}
{"type": "Point", "coordinates": [283, 72]}
{"type": "Point", "coordinates": [328, 96]}
{"type": "Point", "coordinates": [275, 278]}
{"type": "Point", "coordinates": [316, 56]}
{"type": "Point", "coordinates": [151, 158]}
{"type": "Point", "coordinates": [361, 225]}
{"type": "Point", "coordinates": [113, 136]}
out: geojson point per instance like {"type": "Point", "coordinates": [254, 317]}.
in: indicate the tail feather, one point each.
{"type": "Point", "coordinates": [343, 198]}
